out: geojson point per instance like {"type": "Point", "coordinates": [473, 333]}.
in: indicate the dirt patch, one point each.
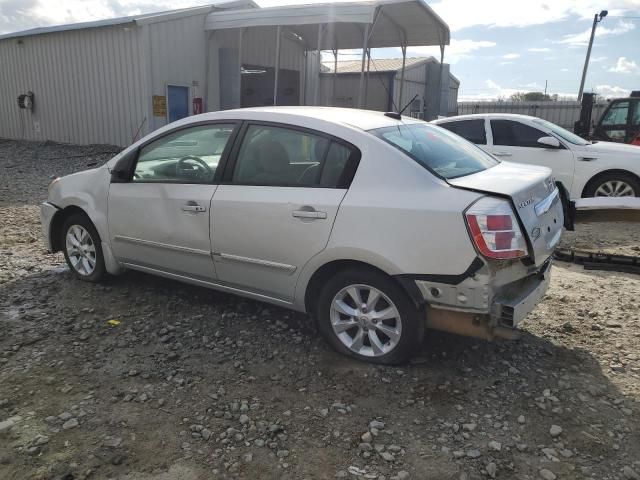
{"type": "Point", "coordinates": [191, 383]}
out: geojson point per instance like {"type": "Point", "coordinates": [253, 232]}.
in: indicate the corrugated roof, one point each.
{"type": "Point", "coordinates": [395, 23]}
{"type": "Point", "coordinates": [143, 18]}
{"type": "Point", "coordinates": [377, 64]}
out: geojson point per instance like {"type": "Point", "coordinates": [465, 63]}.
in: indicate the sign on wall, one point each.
{"type": "Point", "coordinates": [159, 106]}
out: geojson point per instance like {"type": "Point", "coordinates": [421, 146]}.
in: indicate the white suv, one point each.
{"type": "Point", "coordinates": [365, 220]}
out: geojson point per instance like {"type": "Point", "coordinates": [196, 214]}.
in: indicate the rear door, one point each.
{"type": "Point", "coordinates": [277, 205]}
{"type": "Point", "coordinates": [517, 142]}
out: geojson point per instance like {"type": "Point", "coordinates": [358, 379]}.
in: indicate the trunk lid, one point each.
{"type": "Point", "coordinates": [535, 198]}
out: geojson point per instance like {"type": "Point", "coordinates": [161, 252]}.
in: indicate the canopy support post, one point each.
{"type": "Point", "coordinates": [364, 55]}
{"type": "Point", "coordinates": [316, 87]}
{"type": "Point", "coordinates": [366, 78]}
{"type": "Point", "coordinates": [277, 66]}
{"type": "Point", "coordinates": [404, 60]}
{"type": "Point", "coordinates": [335, 76]}
{"type": "Point", "coordinates": [240, 35]}
{"type": "Point", "coordinates": [440, 79]}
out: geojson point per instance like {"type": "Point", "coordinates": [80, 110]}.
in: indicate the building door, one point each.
{"type": "Point", "coordinates": [178, 102]}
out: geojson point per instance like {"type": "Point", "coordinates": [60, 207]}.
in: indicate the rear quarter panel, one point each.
{"type": "Point", "coordinates": [398, 217]}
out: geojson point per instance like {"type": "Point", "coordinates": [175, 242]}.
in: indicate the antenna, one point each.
{"type": "Point", "coordinates": [407, 105]}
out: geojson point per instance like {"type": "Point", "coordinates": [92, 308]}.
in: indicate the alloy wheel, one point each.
{"type": "Point", "coordinates": [81, 250]}
{"type": "Point", "coordinates": [365, 320]}
{"type": "Point", "coordinates": [615, 188]}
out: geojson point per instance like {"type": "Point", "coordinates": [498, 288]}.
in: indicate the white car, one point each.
{"type": "Point", "coordinates": [586, 169]}
{"type": "Point", "coordinates": [365, 220]}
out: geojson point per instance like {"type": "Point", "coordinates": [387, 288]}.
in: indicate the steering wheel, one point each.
{"type": "Point", "coordinates": [201, 166]}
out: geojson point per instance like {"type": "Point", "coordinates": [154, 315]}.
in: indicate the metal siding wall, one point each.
{"type": "Point", "coordinates": [178, 57]}
{"type": "Point", "coordinates": [415, 82]}
{"type": "Point", "coordinates": [347, 87]}
{"type": "Point", "coordinates": [84, 86]}
{"type": "Point", "coordinates": [563, 113]}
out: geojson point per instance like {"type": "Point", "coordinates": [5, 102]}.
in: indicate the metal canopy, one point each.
{"type": "Point", "coordinates": [391, 23]}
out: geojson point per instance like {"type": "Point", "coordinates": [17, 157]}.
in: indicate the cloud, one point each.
{"type": "Point", "coordinates": [509, 13]}
{"type": "Point", "coordinates": [16, 15]}
{"type": "Point", "coordinates": [625, 66]}
{"type": "Point", "coordinates": [511, 56]}
{"type": "Point", "coordinates": [582, 38]}
{"type": "Point", "coordinates": [453, 53]}
{"type": "Point", "coordinates": [539, 49]}
{"type": "Point", "coordinates": [611, 91]}
{"type": "Point", "coordinates": [597, 59]}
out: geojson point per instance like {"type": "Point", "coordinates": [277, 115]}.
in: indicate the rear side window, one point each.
{"type": "Point", "coordinates": [472, 130]}
{"type": "Point", "coordinates": [515, 134]}
{"type": "Point", "coordinates": [278, 156]}
{"type": "Point", "coordinates": [436, 149]}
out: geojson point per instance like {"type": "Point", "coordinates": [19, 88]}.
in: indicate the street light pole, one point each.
{"type": "Point", "coordinates": [597, 18]}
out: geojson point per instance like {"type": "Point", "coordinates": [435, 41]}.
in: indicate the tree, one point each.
{"type": "Point", "coordinates": [529, 97]}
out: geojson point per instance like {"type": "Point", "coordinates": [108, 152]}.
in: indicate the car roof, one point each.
{"type": "Point", "coordinates": [513, 116]}
{"type": "Point", "coordinates": [361, 119]}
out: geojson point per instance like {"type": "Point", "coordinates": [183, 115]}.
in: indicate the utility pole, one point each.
{"type": "Point", "coordinates": [597, 18]}
{"type": "Point", "coordinates": [545, 88]}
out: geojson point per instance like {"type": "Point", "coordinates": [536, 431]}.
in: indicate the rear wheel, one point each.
{"type": "Point", "coordinates": [366, 315]}
{"type": "Point", "coordinates": [82, 248]}
{"type": "Point", "coordinates": [613, 185]}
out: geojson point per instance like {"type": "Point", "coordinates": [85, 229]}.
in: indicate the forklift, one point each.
{"type": "Point", "coordinates": [620, 121]}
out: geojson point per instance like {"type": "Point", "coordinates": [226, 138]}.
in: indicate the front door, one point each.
{"type": "Point", "coordinates": [159, 219]}
{"type": "Point", "coordinates": [277, 206]}
{"type": "Point", "coordinates": [514, 141]}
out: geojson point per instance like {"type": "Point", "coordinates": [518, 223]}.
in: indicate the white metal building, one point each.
{"type": "Point", "coordinates": [339, 83]}
{"type": "Point", "coordinates": [116, 80]}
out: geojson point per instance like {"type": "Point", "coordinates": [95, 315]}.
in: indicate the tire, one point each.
{"type": "Point", "coordinates": [407, 326]}
{"type": "Point", "coordinates": [86, 261]}
{"type": "Point", "coordinates": [617, 182]}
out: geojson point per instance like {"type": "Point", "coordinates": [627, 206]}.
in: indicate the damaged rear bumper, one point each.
{"type": "Point", "coordinates": [489, 303]}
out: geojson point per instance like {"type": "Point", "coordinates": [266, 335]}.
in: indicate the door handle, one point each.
{"type": "Point", "coordinates": [190, 207]}
{"type": "Point", "coordinates": [502, 154]}
{"type": "Point", "coordinates": [309, 214]}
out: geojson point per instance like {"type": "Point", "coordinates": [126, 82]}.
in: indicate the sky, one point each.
{"type": "Point", "coordinates": [498, 47]}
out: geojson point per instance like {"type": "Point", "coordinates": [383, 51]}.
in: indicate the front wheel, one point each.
{"type": "Point", "coordinates": [366, 315]}
{"type": "Point", "coordinates": [613, 185]}
{"type": "Point", "coordinates": [82, 248]}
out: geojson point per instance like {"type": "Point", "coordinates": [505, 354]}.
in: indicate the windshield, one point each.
{"type": "Point", "coordinates": [437, 149]}
{"type": "Point", "coordinates": [561, 132]}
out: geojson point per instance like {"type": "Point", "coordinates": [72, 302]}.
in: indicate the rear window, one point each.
{"type": "Point", "coordinates": [436, 149]}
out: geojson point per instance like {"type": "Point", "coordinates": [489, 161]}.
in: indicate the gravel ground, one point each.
{"type": "Point", "coordinates": [191, 384]}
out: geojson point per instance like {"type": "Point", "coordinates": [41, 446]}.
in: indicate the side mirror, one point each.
{"type": "Point", "coordinates": [121, 171]}
{"type": "Point", "coordinates": [549, 142]}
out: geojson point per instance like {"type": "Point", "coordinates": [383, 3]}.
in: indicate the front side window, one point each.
{"type": "Point", "coordinates": [617, 114]}
{"type": "Point", "coordinates": [472, 130]}
{"type": "Point", "coordinates": [189, 155]}
{"type": "Point", "coordinates": [436, 149]}
{"type": "Point", "coordinates": [515, 134]}
{"type": "Point", "coordinates": [278, 156]}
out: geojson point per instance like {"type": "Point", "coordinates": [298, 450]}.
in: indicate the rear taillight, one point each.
{"type": "Point", "coordinates": [636, 141]}
{"type": "Point", "coordinates": [495, 230]}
